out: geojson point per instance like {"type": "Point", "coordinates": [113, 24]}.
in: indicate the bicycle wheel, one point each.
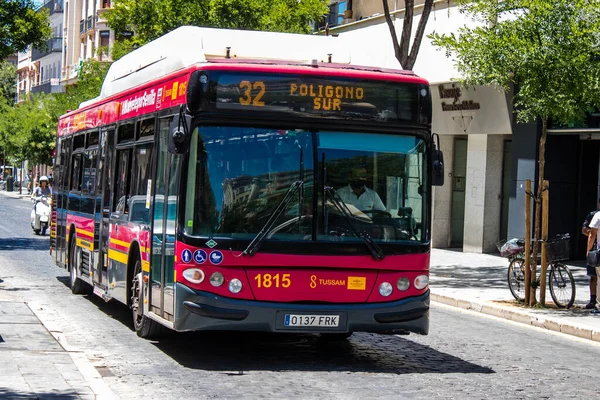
{"type": "Point", "coordinates": [516, 278]}
{"type": "Point", "coordinates": [562, 285]}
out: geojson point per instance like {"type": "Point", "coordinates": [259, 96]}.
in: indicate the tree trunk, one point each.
{"type": "Point", "coordinates": [407, 60]}
{"type": "Point", "coordinates": [538, 212]}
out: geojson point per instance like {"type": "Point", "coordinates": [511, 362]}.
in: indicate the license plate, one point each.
{"type": "Point", "coordinates": [328, 321]}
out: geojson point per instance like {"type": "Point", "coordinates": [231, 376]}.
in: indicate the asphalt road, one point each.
{"type": "Point", "coordinates": [466, 355]}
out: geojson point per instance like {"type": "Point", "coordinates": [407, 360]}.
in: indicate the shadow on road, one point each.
{"type": "Point", "coordinates": [11, 244]}
{"type": "Point", "coordinates": [235, 352]}
{"type": "Point", "coordinates": [16, 394]}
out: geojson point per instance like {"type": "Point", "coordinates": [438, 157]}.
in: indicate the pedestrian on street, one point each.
{"type": "Point", "coordinates": [590, 229]}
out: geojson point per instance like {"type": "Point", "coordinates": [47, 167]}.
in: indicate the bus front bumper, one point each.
{"type": "Point", "coordinates": [197, 310]}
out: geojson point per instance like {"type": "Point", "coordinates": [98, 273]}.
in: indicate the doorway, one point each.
{"type": "Point", "coordinates": [459, 178]}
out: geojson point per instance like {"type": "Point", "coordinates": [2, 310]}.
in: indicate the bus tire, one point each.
{"type": "Point", "coordinates": [144, 327]}
{"type": "Point", "coordinates": [77, 285]}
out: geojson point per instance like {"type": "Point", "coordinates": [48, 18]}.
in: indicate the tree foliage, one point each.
{"type": "Point", "coordinates": [21, 25]}
{"type": "Point", "coordinates": [405, 57]}
{"type": "Point", "coordinates": [8, 73]}
{"type": "Point", "coordinates": [28, 129]}
{"type": "Point", "coordinates": [150, 19]}
{"type": "Point", "coordinates": [548, 50]}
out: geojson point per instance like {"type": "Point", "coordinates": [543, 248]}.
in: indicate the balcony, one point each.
{"type": "Point", "coordinates": [54, 46]}
{"type": "Point", "coordinates": [48, 87]}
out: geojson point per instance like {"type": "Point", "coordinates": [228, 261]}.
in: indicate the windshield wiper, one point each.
{"type": "Point", "coordinates": [260, 237]}
{"type": "Point", "coordinates": [375, 250]}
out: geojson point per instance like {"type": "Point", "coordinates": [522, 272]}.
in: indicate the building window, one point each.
{"type": "Point", "coordinates": [104, 38]}
{"type": "Point", "coordinates": [341, 9]}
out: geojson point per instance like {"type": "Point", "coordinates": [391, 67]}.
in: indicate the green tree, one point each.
{"type": "Point", "coordinates": [405, 57]}
{"type": "Point", "coordinates": [21, 26]}
{"type": "Point", "coordinates": [28, 129]}
{"type": "Point", "coordinates": [150, 19]}
{"type": "Point", "coordinates": [88, 86]}
{"type": "Point", "coordinates": [547, 50]}
{"type": "Point", "coordinates": [8, 80]}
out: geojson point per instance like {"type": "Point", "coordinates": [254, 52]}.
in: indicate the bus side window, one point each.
{"type": "Point", "coordinates": [122, 176]}
{"type": "Point", "coordinates": [76, 172]}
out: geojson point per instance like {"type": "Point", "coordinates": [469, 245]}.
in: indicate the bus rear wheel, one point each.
{"type": "Point", "coordinates": [144, 326]}
{"type": "Point", "coordinates": [77, 285]}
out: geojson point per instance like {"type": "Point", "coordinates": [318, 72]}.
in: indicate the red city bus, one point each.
{"type": "Point", "coordinates": [235, 180]}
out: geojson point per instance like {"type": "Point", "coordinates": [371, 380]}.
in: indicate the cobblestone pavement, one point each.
{"type": "Point", "coordinates": [466, 355]}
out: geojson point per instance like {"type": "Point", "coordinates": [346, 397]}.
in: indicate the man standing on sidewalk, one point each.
{"type": "Point", "coordinates": [590, 229]}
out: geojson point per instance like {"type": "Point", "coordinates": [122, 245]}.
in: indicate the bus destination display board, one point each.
{"type": "Point", "coordinates": [318, 96]}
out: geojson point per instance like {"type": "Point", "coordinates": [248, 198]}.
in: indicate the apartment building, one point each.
{"type": "Point", "coordinates": [86, 35]}
{"type": "Point", "coordinates": [38, 70]}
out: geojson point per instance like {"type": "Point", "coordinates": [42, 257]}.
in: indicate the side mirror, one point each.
{"type": "Point", "coordinates": [179, 133]}
{"type": "Point", "coordinates": [437, 162]}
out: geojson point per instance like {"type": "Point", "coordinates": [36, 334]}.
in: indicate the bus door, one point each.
{"type": "Point", "coordinates": [164, 225]}
{"type": "Point", "coordinates": [105, 189]}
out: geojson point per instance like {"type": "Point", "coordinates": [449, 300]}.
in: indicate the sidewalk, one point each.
{"type": "Point", "coordinates": [478, 282]}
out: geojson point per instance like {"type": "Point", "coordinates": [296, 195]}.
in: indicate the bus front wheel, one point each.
{"type": "Point", "coordinates": [144, 326]}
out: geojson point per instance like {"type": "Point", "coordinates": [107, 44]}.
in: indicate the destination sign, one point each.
{"type": "Point", "coordinates": [318, 96]}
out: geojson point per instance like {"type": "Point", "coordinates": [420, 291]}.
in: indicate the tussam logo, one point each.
{"type": "Point", "coordinates": [147, 99]}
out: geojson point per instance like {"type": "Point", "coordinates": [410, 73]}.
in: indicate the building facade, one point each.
{"type": "Point", "coordinates": [86, 35]}
{"type": "Point", "coordinates": [38, 70]}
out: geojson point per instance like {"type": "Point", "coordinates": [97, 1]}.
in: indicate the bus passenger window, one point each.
{"type": "Point", "coordinates": [76, 172]}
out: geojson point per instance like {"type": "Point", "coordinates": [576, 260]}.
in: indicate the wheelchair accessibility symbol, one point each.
{"type": "Point", "coordinates": [200, 256]}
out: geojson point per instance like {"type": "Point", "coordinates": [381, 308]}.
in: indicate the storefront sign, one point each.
{"type": "Point", "coordinates": [455, 93]}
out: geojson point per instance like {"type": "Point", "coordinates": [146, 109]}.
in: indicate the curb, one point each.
{"type": "Point", "coordinates": [520, 317]}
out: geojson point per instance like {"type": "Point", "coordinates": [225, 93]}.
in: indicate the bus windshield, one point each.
{"type": "Point", "coordinates": [352, 182]}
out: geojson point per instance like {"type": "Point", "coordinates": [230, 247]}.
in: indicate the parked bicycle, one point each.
{"type": "Point", "coordinates": [560, 279]}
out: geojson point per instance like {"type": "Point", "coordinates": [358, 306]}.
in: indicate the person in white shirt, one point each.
{"type": "Point", "coordinates": [358, 194]}
{"type": "Point", "coordinates": [593, 226]}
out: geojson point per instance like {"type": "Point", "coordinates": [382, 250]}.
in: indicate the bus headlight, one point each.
{"type": "Point", "coordinates": [235, 286]}
{"type": "Point", "coordinates": [216, 279]}
{"type": "Point", "coordinates": [421, 281]}
{"type": "Point", "coordinates": [385, 289]}
{"type": "Point", "coordinates": [403, 284]}
{"type": "Point", "coordinates": [194, 275]}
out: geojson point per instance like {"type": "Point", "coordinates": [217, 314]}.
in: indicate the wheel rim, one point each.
{"type": "Point", "coordinates": [136, 291]}
{"type": "Point", "coordinates": [73, 275]}
{"type": "Point", "coordinates": [561, 287]}
{"type": "Point", "coordinates": [72, 263]}
{"type": "Point", "coordinates": [516, 280]}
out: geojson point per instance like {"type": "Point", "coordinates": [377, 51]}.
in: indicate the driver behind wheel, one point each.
{"type": "Point", "coordinates": [356, 193]}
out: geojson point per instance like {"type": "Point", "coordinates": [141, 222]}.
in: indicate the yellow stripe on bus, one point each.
{"type": "Point", "coordinates": [145, 266]}
{"type": "Point", "coordinates": [119, 242]}
{"type": "Point", "coordinates": [117, 256]}
{"type": "Point", "coordinates": [85, 244]}
{"type": "Point", "coordinates": [84, 232]}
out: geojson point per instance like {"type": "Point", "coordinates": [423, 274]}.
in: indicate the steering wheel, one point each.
{"type": "Point", "coordinates": [377, 213]}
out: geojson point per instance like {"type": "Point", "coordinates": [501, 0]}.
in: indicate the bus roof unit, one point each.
{"type": "Point", "coordinates": [189, 45]}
